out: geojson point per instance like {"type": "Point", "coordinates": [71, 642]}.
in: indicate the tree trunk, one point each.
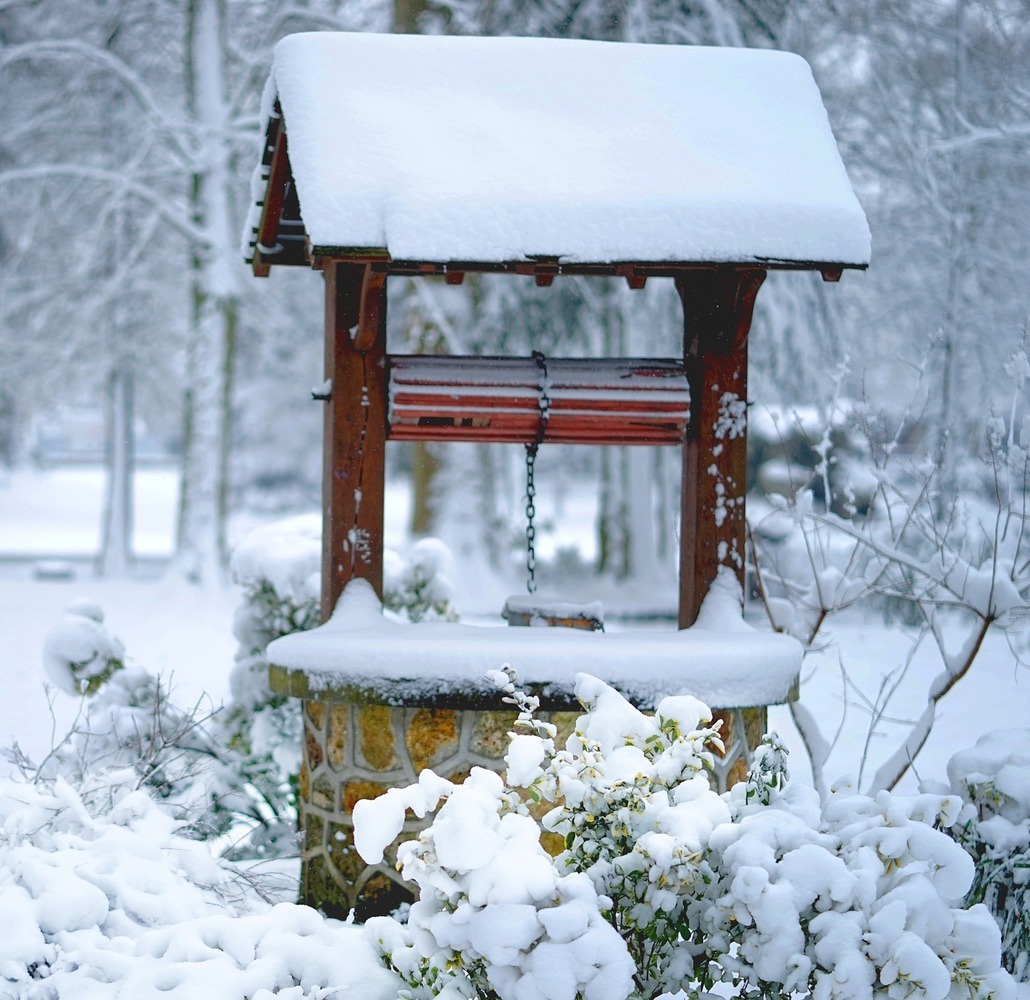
{"type": "Point", "coordinates": [616, 506]}
{"type": "Point", "coordinates": [406, 14]}
{"type": "Point", "coordinates": [203, 504]}
{"type": "Point", "coordinates": [424, 468]}
{"type": "Point", "coordinates": [951, 328]}
{"type": "Point", "coordinates": [116, 545]}
{"type": "Point", "coordinates": [640, 479]}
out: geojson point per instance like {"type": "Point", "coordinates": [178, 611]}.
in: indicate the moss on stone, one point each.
{"type": "Point", "coordinates": [432, 736]}
{"type": "Point", "coordinates": [316, 712]}
{"type": "Point", "coordinates": [312, 750]}
{"type": "Point", "coordinates": [354, 791]}
{"type": "Point", "coordinates": [313, 826]}
{"type": "Point", "coordinates": [323, 794]}
{"type": "Point", "coordinates": [344, 855]}
{"type": "Point", "coordinates": [318, 888]}
{"type": "Point", "coordinates": [377, 743]}
{"type": "Point", "coordinates": [490, 733]}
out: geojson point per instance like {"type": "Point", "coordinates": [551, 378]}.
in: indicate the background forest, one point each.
{"type": "Point", "coordinates": [128, 131]}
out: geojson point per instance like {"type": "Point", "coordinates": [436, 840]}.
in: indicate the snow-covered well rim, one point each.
{"type": "Point", "coordinates": [358, 655]}
{"type": "Point", "coordinates": [503, 149]}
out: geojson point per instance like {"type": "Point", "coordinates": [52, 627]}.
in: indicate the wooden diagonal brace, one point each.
{"type": "Point", "coordinates": [371, 309]}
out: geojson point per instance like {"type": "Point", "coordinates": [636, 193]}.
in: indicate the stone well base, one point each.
{"type": "Point", "coordinates": [357, 751]}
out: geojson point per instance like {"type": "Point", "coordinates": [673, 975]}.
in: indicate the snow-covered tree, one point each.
{"type": "Point", "coordinates": [930, 103]}
{"type": "Point", "coordinates": [130, 158]}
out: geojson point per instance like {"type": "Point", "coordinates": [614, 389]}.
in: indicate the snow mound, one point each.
{"type": "Point", "coordinates": [120, 905]}
{"type": "Point", "coordinates": [721, 660]}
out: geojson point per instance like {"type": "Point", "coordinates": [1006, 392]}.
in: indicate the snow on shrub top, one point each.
{"type": "Point", "coordinates": [79, 653]}
{"type": "Point", "coordinates": [283, 560]}
{"type": "Point", "coordinates": [996, 771]}
{"type": "Point", "coordinates": [286, 554]}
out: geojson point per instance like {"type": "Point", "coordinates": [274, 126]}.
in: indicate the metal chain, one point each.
{"type": "Point", "coordinates": [544, 412]}
{"type": "Point", "coordinates": [530, 514]}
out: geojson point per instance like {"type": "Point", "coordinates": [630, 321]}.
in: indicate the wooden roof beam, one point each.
{"type": "Point", "coordinates": [635, 278]}
{"type": "Point", "coordinates": [635, 272]}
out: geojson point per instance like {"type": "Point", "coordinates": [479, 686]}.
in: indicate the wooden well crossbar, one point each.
{"type": "Point", "coordinates": [553, 400]}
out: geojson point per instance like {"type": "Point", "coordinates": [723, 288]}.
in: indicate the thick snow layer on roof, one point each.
{"type": "Point", "coordinates": [497, 149]}
{"type": "Point", "coordinates": [358, 650]}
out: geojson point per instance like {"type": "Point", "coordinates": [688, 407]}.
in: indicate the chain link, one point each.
{"type": "Point", "coordinates": [530, 514]}
{"type": "Point", "coordinates": [544, 410]}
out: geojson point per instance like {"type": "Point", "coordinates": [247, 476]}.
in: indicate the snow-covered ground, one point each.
{"type": "Point", "coordinates": [56, 511]}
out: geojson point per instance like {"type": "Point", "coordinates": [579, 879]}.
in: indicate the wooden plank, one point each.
{"type": "Point", "coordinates": [354, 441]}
{"type": "Point", "coordinates": [717, 310]}
{"type": "Point", "coordinates": [275, 189]}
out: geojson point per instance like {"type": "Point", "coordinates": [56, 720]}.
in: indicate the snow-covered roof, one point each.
{"type": "Point", "coordinates": [361, 655]}
{"type": "Point", "coordinates": [502, 149]}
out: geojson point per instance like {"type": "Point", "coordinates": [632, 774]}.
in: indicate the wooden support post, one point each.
{"type": "Point", "coordinates": [354, 442]}
{"type": "Point", "coordinates": [717, 307]}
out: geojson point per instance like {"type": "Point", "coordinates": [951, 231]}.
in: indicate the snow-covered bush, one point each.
{"type": "Point", "coordinates": [131, 735]}
{"type": "Point", "coordinates": [127, 730]}
{"type": "Point", "coordinates": [952, 563]}
{"type": "Point", "coordinates": [79, 653]}
{"type": "Point", "coordinates": [993, 779]}
{"type": "Point", "coordinates": [115, 903]}
{"type": "Point", "coordinates": [417, 585]}
{"type": "Point", "coordinates": [666, 888]}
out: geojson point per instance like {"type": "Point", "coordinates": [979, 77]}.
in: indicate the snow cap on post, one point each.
{"type": "Point", "coordinates": [507, 149]}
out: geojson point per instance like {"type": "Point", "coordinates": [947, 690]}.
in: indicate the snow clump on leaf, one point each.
{"type": "Point", "coordinates": [79, 654]}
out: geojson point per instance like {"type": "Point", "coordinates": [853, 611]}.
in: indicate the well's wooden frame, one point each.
{"type": "Point", "coordinates": [718, 303]}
